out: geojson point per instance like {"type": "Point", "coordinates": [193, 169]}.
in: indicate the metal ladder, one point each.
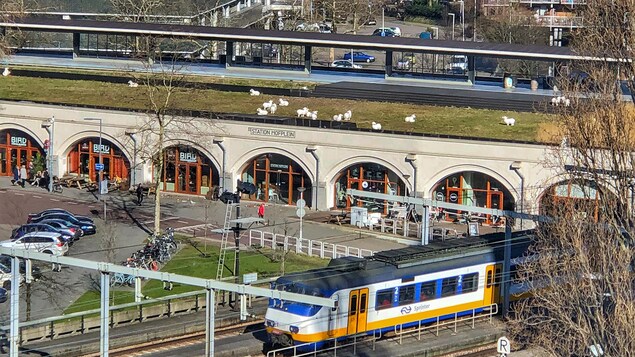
{"type": "Point", "coordinates": [223, 244]}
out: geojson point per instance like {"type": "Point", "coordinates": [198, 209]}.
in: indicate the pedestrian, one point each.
{"type": "Point", "coordinates": [139, 194]}
{"type": "Point", "coordinates": [23, 176]}
{"type": "Point", "coordinates": [16, 176]}
{"type": "Point", "coordinates": [261, 211]}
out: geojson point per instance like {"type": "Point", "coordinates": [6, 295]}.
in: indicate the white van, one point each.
{"type": "Point", "coordinates": [458, 63]}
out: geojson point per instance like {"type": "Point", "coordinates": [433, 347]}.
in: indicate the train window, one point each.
{"type": "Point", "coordinates": [489, 278]}
{"type": "Point", "coordinates": [362, 304]}
{"type": "Point", "coordinates": [384, 299]}
{"type": "Point", "coordinates": [406, 295]}
{"type": "Point", "coordinates": [448, 286]}
{"type": "Point", "coordinates": [408, 279]}
{"type": "Point", "coordinates": [428, 290]}
{"type": "Point", "coordinates": [497, 276]}
{"type": "Point", "coordinates": [354, 305]}
{"type": "Point", "coordinates": [470, 283]}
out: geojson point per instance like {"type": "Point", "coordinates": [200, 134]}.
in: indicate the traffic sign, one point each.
{"type": "Point", "coordinates": [301, 203]}
{"type": "Point", "coordinates": [453, 197]}
{"type": "Point", "coordinates": [503, 346]}
{"type": "Point", "coordinates": [250, 278]}
{"type": "Point", "coordinates": [99, 167]}
{"type": "Point", "coordinates": [300, 212]}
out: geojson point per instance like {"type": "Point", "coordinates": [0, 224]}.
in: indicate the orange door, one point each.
{"type": "Point", "coordinates": [498, 277]}
{"type": "Point", "coordinates": [358, 311]}
{"type": "Point", "coordinates": [353, 303]}
{"type": "Point", "coordinates": [488, 296]}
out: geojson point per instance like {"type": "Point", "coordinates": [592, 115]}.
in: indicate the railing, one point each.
{"type": "Point", "coordinates": [305, 246]}
{"type": "Point", "coordinates": [560, 21]}
{"type": "Point", "coordinates": [351, 340]}
{"type": "Point", "coordinates": [82, 322]}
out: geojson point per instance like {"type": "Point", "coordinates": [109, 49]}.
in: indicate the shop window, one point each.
{"type": "Point", "coordinates": [384, 299]}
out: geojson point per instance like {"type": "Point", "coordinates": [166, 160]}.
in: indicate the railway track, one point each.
{"type": "Point", "coordinates": [148, 348]}
{"type": "Point", "coordinates": [480, 351]}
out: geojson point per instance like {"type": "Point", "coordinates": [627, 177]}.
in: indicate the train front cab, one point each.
{"type": "Point", "coordinates": [358, 311]}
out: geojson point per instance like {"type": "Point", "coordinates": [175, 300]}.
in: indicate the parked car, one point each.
{"type": "Point", "coordinates": [87, 227]}
{"type": "Point", "coordinates": [395, 30]}
{"type": "Point", "coordinates": [407, 62]}
{"type": "Point", "coordinates": [345, 64]}
{"type": "Point", "coordinates": [5, 276]}
{"type": "Point", "coordinates": [359, 57]}
{"type": "Point", "coordinates": [384, 33]}
{"type": "Point", "coordinates": [65, 227]}
{"type": "Point", "coordinates": [3, 295]}
{"type": "Point", "coordinates": [371, 22]}
{"type": "Point", "coordinates": [5, 265]}
{"type": "Point", "coordinates": [59, 210]}
{"type": "Point", "coordinates": [42, 242]}
{"type": "Point", "coordinates": [40, 227]}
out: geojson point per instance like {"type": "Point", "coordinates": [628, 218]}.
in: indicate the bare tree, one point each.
{"type": "Point", "coordinates": [10, 10]}
{"type": "Point", "coordinates": [582, 263]}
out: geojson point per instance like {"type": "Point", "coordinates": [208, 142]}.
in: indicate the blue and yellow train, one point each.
{"type": "Point", "coordinates": [396, 287]}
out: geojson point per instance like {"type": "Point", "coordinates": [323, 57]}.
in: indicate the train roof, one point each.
{"type": "Point", "coordinates": [342, 273]}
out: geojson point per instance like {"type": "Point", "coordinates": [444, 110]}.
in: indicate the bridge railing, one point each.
{"type": "Point", "coordinates": [315, 248]}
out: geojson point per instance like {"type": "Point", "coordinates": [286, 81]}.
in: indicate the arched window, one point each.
{"type": "Point", "coordinates": [17, 148]}
{"type": "Point", "coordinates": [187, 170]}
{"type": "Point", "coordinates": [83, 158]}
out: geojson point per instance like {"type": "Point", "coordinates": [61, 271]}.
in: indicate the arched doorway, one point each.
{"type": "Point", "coordinates": [371, 177]}
{"type": "Point", "coordinates": [472, 188]}
{"type": "Point", "coordinates": [277, 178]}
{"type": "Point", "coordinates": [582, 197]}
{"type": "Point", "coordinates": [187, 170]}
{"type": "Point", "coordinates": [17, 148]}
{"type": "Point", "coordinates": [84, 155]}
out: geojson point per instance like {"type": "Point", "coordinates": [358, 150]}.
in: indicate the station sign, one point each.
{"type": "Point", "coordinates": [187, 157]}
{"type": "Point", "coordinates": [18, 141]}
{"type": "Point", "coordinates": [105, 149]}
{"type": "Point", "coordinates": [454, 197]}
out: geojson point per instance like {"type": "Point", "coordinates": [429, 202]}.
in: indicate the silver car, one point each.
{"type": "Point", "coordinates": [42, 242]}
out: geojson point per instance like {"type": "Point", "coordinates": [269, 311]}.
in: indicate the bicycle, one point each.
{"type": "Point", "coordinates": [57, 186]}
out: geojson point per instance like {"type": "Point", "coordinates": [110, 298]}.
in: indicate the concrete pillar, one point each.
{"type": "Point", "coordinates": [229, 52]}
{"type": "Point", "coordinates": [226, 12]}
{"type": "Point", "coordinates": [388, 63]}
{"type": "Point", "coordinates": [471, 69]}
{"type": "Point", "coordinates": [75, 44]}
{"type": "Point", "coordinates": [307, 59]}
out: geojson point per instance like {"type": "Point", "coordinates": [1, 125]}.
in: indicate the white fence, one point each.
{"type": "Point", "coordinates": [305, 246]}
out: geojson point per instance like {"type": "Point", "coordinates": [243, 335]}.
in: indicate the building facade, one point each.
{"type": "Point", "coordinates": [278, 159]}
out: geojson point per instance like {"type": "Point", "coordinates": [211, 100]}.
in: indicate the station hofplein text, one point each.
{"type": "Point", "coordinates": [272, 132]}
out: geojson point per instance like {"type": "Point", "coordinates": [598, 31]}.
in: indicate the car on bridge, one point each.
{"type": "Point", "coordinates": [385, 32]}
{"type": "Point", "coordinates": [359, 57]}
{"type": "Point", "coordinates": [407, 62]}
{"type": "Point", "coordinates": [345, 64]}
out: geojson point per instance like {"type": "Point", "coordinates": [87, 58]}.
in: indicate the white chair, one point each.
{"type": "Point", "coordinates": [273, 196]}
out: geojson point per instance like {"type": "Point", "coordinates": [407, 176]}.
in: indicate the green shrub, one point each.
{"type": "Point", "coordinates": [421, 8]}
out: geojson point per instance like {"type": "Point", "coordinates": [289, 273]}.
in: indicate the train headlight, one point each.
{"type": "Point", "coordinates": [271, 323]}
{"type": "Point", "coordinates": [294, 329]}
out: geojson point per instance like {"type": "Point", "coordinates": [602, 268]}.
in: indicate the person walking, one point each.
{"type": "Point", "coordinates": [23, 176]}
{"type": "Point", "coordinates": [16, 176]}
{"type": "Point", "coordinates": [261, 211]}
{"type": "Point", "coordinates": [139, 194]}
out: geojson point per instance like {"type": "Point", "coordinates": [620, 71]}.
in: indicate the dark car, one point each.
{"type": "Point", "coordinates": [385, 33]}
{"type": "Point", "coordinates": [359, 57]}
{"type": "Point", "coordinates": [59, 210]}
{"type": "Point", "coordinates": [3, 295]}
{"type": "Point", "coordinates": [65, 227]}
{"type": "Point", "coordinates": [87, 226]}
{"type": "Point", "coordinates": [41, 227]}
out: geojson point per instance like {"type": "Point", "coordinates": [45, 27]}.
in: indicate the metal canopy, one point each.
{"type": "Point", "coordinates": [499, 50]}
{"type": "Point", "coordinates": [168, 277]}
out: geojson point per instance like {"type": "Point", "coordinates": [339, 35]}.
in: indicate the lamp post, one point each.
{"type": "Point", "coordinates": [49, 125]}
{"type": "Point", "coordinates": [463, 18]}
{"type": "Point", "coordinates": [101, 163]}
{"type": "Point", "coordinates": [133, 178]}
{"type": "Point", "coordinates": [453, 15]}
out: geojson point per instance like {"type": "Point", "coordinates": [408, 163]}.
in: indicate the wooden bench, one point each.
{"type": "Point", "coordinates": [338, 217]}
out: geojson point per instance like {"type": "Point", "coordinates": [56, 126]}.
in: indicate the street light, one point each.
{"type": "Point", "coordinates": [49, 125]}
{"type": "Point", "coordinates": [453, 15]}
{"type": "Point", "coordinates": [101, 163]}
{"type": "Point", "coordinates": [462, 2]}
{"type": "Point", "coordinates": [131, 134]}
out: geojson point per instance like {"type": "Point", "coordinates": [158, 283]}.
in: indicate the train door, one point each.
{"type": "Point", "coordinates": [333, 316]}
{"type": "Point", "coordinates": [488, 296]}
{"type": "Point", "coordinates": [357, 311]}
{"type": "Point", "coordinates": [496, 288]}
